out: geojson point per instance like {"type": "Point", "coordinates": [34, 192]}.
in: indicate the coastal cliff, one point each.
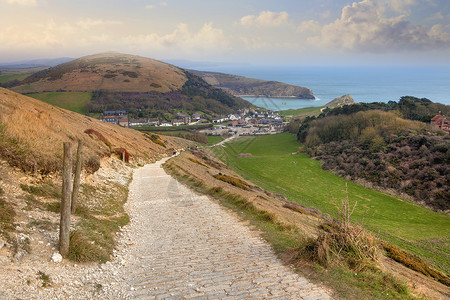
{"type": "Point", "coordinates": [243, 86]}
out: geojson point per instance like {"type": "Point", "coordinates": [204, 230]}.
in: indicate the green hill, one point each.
{"type": "Point", "coordinates": [143, 86]}
{"type": "Point", "coordinates": [243, 86]}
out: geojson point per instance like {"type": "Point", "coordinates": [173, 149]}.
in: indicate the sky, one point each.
{"type": "Point", "coordinates": [264, 32]}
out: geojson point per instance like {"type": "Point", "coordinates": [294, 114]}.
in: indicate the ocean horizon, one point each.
{"type": "Point", "coordinates": [364, 84]}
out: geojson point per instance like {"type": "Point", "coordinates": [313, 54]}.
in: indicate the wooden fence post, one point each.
{"type": "Point", "coordinates": [64, 226]}
{"type": "Point", "coordinates": [76, 180]}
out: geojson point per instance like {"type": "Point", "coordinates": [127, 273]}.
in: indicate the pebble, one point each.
{"type": "Point", "coordinates": [56, 257]}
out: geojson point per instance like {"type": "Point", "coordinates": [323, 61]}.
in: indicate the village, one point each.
{"type": "Point", "coordinates": [244, 122]}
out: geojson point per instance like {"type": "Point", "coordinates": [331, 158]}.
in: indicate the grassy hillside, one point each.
{"type": "Point", "coordinates": [31, 148]}
{"type": "Point", "coordinates": [239, 85]}
{"type": "Point", "coordinates": [145, 87]}
{"type": "Point", "coordinates": [307, 111]}
{"type": "Point", "coordinates": [393, 153]}
{"type": "Point", "coordinates": [32, 133]}
{"type": "Point", "coordinates": [106, 71]}
{"type": "Point", "coordinates": [301, 179]}
{"type": "Point", "coordinates": [12, 76]}
{"type": "Point", "coordinates": [73, 101]}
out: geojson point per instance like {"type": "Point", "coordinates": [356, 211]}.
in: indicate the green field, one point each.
{"type": "Point", "coordinates": [301, 179]}
{"type": "Point", "coordinates": [74, 101]}
{"type": "Point", "coordinates": [214, 139]}
{"type": "Point", "coordinates": [8, 75]}
{"type": "Point", "coordinates": [301, 111]}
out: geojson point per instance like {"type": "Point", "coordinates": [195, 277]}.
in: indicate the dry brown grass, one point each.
{"type": "Point", "coordinates": [414, 263]}
{"type": "Point", "coordinates": [233, 181]}
{"type": "Point", "coordinates": [341, 244]}
{"type": "Point", "coordinates": [156, 139]}
{"type": "Point", "coordinates": [32, 134]}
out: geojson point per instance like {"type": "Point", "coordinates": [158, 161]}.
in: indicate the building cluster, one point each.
{"type": "Point", "coordinates": [253, 117]}
{"type": "Point", "coordinates": [121, 117]}
{"type": "Point", "coordinates": [245, 117]}
{"type": "Point", "coordinates": [441, 122]}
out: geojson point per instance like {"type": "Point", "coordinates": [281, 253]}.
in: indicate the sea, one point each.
{"type": "Point", "coordinates": [364, 84]}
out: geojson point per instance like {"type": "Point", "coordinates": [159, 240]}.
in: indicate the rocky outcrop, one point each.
{"type": "Point", "coordinates": [243, 86]}
{"type": "Point", "coordinates": [341, 101]}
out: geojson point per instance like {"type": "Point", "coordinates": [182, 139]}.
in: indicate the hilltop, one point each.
{"type": "Point", "coordinates": [143, 86]}
{"type": "Point", "coordinates": [243, 86]}
{"type": "Point", "coordinates": [340, 101]}
{"type": "Point", "coordinates": [109, 71]}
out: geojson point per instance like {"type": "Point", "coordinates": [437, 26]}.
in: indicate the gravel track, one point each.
{"type": "Point", "coordinates": [180, 245]}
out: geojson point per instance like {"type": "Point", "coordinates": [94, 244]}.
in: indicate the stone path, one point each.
{"type": "Point", "coordinates": [184, 246]}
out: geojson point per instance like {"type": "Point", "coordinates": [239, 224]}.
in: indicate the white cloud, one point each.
{"type": "Point", "coordinates": [309, 26]}
{"type": "Point", "coordinates": [181, 40]}
{"type": "Point", "coordinates": [23, 2]}
{"type": "Point", "coordinates": [365, 27]}
{"type": "Point", "coordinates": [89, 23]}
{"type": "Point", "coordinates": [152, 6]}
{"type": "Point", "coordinates": [266, 18]}
{"type": "Point", "coordinates": [402, 6]}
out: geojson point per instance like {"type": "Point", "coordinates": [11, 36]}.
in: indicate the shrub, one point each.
{"type": "Point", "coordinates": [347, 244]}
{"type": "Point", "coordinates": [100, 136]}
{"type": "Point", "coordinates": [342, 243]}
{"type": "Point", "coordinates": [123, 154]}
{"type": "Point", "coordinates": [156, 139]}
{"type": "Point", "coordinates": [92, 164]}
{"type": "Point", "coordinates": [130, 74]}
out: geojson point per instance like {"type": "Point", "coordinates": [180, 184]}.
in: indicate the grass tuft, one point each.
{"type": "Point", "coordinates": [47, 189]}
{"type": "Point", "coordinates": [233, 181]}
{"type": "Point", "coordinates": [7, 215]}
{"type": "Point", "coordinates": [413, 262]}
{"type": "Point", "coordinates": [82, 249]}
{"type": "Point", "coordinates": [46, 281]}
{"type": "Point", "coordinates": [197, 162]}
{"type": "Point", "coordinates": [352, 246]}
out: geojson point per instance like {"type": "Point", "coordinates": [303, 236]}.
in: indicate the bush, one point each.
{"type": "Point", "coordinates": [100, 136]}
{"type": "Point", "coordinates": [122, 153]}
{"type": "Point", "coordinates": [156, 139]}
{"type": "Point", "coordinates": [347, 244]}
{"type": "Point", "coordinates": [342, 243]}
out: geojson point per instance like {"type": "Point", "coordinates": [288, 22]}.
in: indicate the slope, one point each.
{"type": "Point", "coordinates": [243, 86]}
{"type": "Point", "coordinates": [109, 71]}
{"type": "Point", "coordinates": [145, 87]}
{"type": "Point", "coordinates": [32, 133]}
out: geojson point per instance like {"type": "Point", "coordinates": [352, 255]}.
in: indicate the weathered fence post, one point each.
{"type": "Point", "coordinates": [64, 226]}
{"type": "Point", "coordinates": [76, 180]}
